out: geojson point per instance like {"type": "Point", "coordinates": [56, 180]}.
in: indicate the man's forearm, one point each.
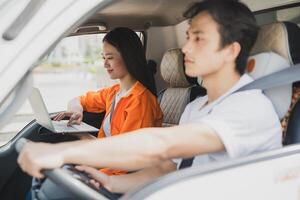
{"type": "Point", "coordinates": [132, 151]}
{"type": "Point", "coordinates": [127, 182]}
{"type": "Point", "coordinates": [144, 147]}
{"type": "Point", "coordinates": [129, 151]}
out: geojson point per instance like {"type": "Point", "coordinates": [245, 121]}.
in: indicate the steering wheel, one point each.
{"type": "Point", "coordinates": [72, 180]}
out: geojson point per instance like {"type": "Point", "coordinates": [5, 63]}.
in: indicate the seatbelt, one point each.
{"type": "Point", "coordinates": [280, 78]}
{"type": "Point", "coordinates": [112, 108]}
{"type": "Point", "coordinates": [160, 95]}
{"type": "Point", "coordinates": [186, 162]}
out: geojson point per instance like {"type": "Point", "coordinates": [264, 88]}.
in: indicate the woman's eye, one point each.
{"type": "Point", "coordinates": [107, 58]}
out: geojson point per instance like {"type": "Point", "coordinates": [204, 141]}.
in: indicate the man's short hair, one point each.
{"type": "Point", "coordinates": [236, 24]}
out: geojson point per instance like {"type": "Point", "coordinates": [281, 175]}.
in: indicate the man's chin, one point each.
{"type": "Point", "coordinates": [190, 73]}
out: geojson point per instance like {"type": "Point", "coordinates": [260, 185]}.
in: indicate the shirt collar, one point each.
{"type": "Point", "coordinates": [136, 89]}
{"type": "Point", "coordinates": [244, 80]}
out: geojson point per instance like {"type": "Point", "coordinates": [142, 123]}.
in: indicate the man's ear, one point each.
{"type": "Point", "coordinates": [233, 51]}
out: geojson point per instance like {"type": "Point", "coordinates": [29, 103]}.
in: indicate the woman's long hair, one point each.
{"type": "Point", "coordinates": [127, 42]}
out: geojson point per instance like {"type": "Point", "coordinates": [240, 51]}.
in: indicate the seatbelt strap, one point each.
{"type": "Point", "coordinates": [160, 95]}
{"type": "Point", "coordinates": [112, 108]}
{"type": "Point", "coordinates": [186, 162]}
{"type": "Point", "coordinates": [280, 78]}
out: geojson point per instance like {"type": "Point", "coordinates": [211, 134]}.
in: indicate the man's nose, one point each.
{"type": "Point", "coordinates": [185, 48]}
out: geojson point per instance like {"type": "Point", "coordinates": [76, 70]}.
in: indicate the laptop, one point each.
{"type": "Point", "coordinates": [43, 118]}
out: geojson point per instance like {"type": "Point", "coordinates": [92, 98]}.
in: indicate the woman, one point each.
{"type": "Point", "coordinates": [129, 105]}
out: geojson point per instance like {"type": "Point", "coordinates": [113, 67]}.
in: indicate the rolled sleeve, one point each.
{"type": "Point", "coordinates": [242, 127]}
{"type": "Point", "coordinates": [226, 134]}
{"type": "Point", "coordinates": [94, 101]}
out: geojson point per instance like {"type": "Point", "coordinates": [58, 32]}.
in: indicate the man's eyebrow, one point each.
{"type": "Point", "coordinates": [195, 32]}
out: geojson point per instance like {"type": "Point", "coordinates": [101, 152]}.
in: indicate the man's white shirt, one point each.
{"type": "Point", "coordinates": [245, 121]}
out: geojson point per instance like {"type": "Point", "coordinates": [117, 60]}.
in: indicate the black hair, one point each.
{"type": "Point", "coordinates": [127, 42]}
{"type": "Point", "coordinates": [236, 24]}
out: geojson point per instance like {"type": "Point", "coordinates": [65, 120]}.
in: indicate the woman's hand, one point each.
{"type": "Point", "coordinates": [74, 117]}
{"type": "Point", "coordinates": [98, 179]}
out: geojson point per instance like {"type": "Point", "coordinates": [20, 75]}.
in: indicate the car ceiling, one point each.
{"type": "Point", "coordinates": [141, 14]}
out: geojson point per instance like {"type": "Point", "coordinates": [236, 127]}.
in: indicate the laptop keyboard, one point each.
{"type": "Point", "coordinates": [62, 125]}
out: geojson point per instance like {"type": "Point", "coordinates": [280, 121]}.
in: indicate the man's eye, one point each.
{"type": "Point", "coordinates": [197, 39]}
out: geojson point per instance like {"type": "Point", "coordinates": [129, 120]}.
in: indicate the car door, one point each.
{"type": "Point", "coordinates": [29, 29]}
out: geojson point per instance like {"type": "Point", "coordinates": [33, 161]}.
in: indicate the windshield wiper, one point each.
{"type": "Point", "coordinates": [24, 17]}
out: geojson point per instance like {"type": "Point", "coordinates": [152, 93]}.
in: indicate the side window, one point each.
{"type": "Point", "coordinates": [286, 14]}
{"type": "Point", "coordinates": [74, 67]}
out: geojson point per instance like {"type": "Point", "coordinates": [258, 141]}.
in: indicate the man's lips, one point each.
{"type": "Point", "coordinates": [110, 71]}
{"type": "Point", "coordinates": [188, 60]}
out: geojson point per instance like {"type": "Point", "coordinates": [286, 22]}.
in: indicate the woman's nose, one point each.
{"type": "Point", "coordinates": [105, 63]}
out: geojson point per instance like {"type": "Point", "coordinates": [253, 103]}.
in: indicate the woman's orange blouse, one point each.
{"type": "Point", "coordinates": [138, 109]}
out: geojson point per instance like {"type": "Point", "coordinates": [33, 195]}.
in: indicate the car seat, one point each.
{"type": "Point", "coordinates": [278, 47]}
{"type": "Point", "coordinates": [181, 88]}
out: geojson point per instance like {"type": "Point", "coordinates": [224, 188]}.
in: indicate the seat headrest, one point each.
{"type": "Point", "coordinates": [266, 63]}
{"type": "Point", "coordinates": [281, 38]}
{"type": "Point", "coordinates": [172, 69]}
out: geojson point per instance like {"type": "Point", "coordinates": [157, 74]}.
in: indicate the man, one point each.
{"type": "Point", "coordinates": [216, 127]}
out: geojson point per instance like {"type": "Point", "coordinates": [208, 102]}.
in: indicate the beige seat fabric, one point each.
{"type": "Point", "coordinates": [177, 95]}
{"type": "Point", "coordinates": [283, 39]}
{"type": "Point", "coordinates": [267, 63]}
{"type": "Point", "coordinates": [273, 37]}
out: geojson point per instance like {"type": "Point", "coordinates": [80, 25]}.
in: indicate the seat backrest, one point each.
{"type": "Point", "coordinates": [266, 63]}
{"type": "Point", "coordinates": [278, 47]}
{"type": "Point", "coordinates": [181, 89]}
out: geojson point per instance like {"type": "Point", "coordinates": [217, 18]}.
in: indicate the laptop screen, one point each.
{"type": "Point", "coordinates": [39, 109]}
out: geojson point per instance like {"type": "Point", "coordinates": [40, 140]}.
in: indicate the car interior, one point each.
{"type": "Point", "coordinates": [163, 28]}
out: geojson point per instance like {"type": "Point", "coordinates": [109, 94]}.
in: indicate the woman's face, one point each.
{"type": "Point", "coordinates": [113, 62]}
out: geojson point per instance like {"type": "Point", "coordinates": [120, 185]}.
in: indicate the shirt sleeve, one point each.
{"type": "Point", "coordinates": [95, 101]}
{"type": "Point", "coordinates": [245, 125]}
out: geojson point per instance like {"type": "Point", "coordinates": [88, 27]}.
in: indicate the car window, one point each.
{"type": "Point", "coordinates": [287, 14]}
{"type": "Point", "coordinates": [74, 67]}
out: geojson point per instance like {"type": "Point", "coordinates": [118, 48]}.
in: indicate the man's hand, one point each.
{"type": "Point", "coordinates": [98, 179]}
{"type": "Point", "coordinates": [37, 156]}
{"type": "Point", "coordinates": [74, 117]}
